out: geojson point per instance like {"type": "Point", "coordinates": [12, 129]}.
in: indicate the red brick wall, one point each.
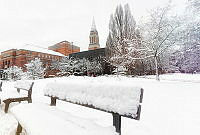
{"type": "Point", "coordinates": [21, 57]}
{"type": "Point", "coordinates": [64, 48]}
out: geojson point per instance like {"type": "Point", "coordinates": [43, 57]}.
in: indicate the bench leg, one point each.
{"type": "Point", "coordinates": [117, 122]}
{"type": "Point", "coordinates": [19, 129]}
{"type": "Point", "coordinates": [7, 103]}
{"type": "Point", "coordinates": [53, 101]}
{"type": "Point", "coordinates": [30, 100]}
{"type": "Point", "coordinates": [138, 113]}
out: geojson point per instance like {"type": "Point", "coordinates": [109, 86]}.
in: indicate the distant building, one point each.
{"type": "Point", "coordinates": [96, 54]}
{"type": "Point", "coordinates": [94, 51]}
{"type": "Point", "coordinates": [94, 37]}
{"type": "Point", "coordinates": [90, 54]}
{"type": "Point", "coordinates": [65, 48]}
{"type": "Point", "coordinates": [20, 57]}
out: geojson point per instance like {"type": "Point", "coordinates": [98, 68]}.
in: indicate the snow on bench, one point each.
{"type": "Point", "coordinates": [118, 98]}
{"type": "Point", "coordinates": [9, 96]}
{"type": "Point", "coordinates": [39, 119]}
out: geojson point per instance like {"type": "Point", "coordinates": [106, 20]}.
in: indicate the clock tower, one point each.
{"type": "Point", "coordinates": [94, 37]}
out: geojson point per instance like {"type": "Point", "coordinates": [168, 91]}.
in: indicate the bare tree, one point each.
{"type": "Point", "coordinates": [159, 34]}
{"type": "Point", "coordinates": [190, 43]}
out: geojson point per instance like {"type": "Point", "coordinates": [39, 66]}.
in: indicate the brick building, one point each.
{"type": "Point", "coordinates": [19, 57]}
{"type": "Point", "coordinates": [65, 48]}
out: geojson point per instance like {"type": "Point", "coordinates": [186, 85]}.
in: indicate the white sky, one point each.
{"type": "Point", "coordinates": [46, 22]}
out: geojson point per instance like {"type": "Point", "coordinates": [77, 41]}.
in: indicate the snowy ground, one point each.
{"type": "Point", "coordinates": [168, 108]}
{"type": "Point", "coordinates": [177, 77]}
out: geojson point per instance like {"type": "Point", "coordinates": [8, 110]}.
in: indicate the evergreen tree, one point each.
{"type": "Point", "coordinates": [123, 42]}
{"type": "Point", "coordinates": [14, 73]}
{"type": "Point", "coordinates": [35, 69]}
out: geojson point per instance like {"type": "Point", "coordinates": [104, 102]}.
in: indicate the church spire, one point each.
{"type": "Point", "coordinates": [93, 28]}
{"type": "Point", "coordinates": [94, 37]}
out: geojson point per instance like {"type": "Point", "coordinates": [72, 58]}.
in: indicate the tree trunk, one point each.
{"type": "Point", "coordinates": [117, 71]}
{"type": "Point", "coordinates": [156, 65]}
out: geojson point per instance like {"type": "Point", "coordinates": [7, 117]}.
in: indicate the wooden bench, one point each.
{"type": "Point", "coordinates": [16, 96]}
{"type": "Point", "coordinates": [116, 116]}
{"type": "Point", "coordinates": [53, 95]}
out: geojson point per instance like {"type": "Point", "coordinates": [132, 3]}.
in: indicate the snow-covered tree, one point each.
{"type": "Point", "coordinates": [66, 65]}
{"type": "Point", "coordinates": [35, 69]}
{"type": "Point", "coordinates": [82, 66]}
{"type": "Point", "coordinates": [94, 66]}
{"type": "Point", "coordinates": [70, 66]}
{"type": "Point", "coordinates": [14, 73]}
{"type": "Point", "coordinates": [194, 5]}
{"type": "Point", "coordinates": [123, 42]}
{"type": "Point", "coordinates": [159, 34]}
{"type": "Point", "coordinates": [189, 60]}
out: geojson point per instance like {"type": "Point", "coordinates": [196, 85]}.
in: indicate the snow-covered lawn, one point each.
{"type": "Point", "coordinates": [168, 108]}
{"type": "Point", "coordinates": [177, 77]}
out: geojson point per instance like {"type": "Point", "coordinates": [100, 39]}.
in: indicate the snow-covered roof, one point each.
{"type": "Point", "coordinates": [39, 49]}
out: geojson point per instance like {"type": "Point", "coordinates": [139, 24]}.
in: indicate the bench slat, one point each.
{"type": "Point", "coordinates": [53, 103]}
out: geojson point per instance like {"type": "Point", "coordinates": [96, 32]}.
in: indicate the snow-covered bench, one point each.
{"type": "Point", "coordinates": [9, 96]}
{"type": "Point", "coordinates": [41, 119]}
{"type": "Point", "coordinates": [119, 99]}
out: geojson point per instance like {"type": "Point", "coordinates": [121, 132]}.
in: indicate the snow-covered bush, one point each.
{"type": "Point", "coordinates": [69, 66]}
{"type": "Point", "coordinates": [94, 66]}
{"type": "Point", "coordinates": [35, 69]}
{"type": "Point", "coordinates": [14, 73]}
{"type": "Point", "coordinates": [65, 66]}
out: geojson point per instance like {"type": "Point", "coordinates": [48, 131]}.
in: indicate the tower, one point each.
{"type": "Point", "coordinates": [94, 37]}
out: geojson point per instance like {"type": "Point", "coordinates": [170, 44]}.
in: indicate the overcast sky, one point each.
{"type": "Point", "coordinates": [46, 22]}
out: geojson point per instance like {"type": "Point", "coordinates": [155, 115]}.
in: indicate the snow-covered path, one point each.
{"type": "Point", "coordinates": [169, 108]}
